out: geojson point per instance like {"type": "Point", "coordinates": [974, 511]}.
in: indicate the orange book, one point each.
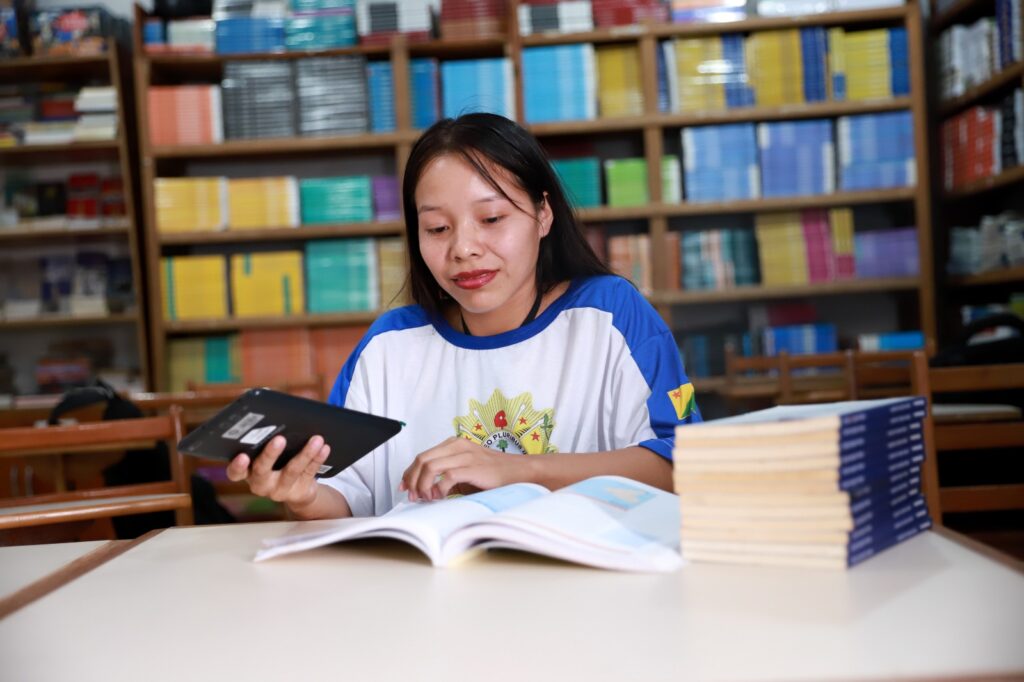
{"type": "Point", "coordinates": [275, 357]}
{"type": "Point", "coordinates": [331, 348]}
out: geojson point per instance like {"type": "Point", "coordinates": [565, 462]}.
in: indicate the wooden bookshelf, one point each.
{"type": "Point", "coordinates": [760, 292]}
{"type": "Point", "coordinates": [50, 321]}
{"type": "Point", "coordinates": [650, 128]}
{"type": "Point", "coordinates": [1004, 179]}
{"type": "Point", "coordinates": [284, 234]}
{"type": "Point", "coordinates": [1005, 276]}
{"type": "Point", "coordinates": [234, 324]}
{"type": "Point", "coordinates": [76, 70]}
{"type": "Point", "coordinates": [1003, 80]}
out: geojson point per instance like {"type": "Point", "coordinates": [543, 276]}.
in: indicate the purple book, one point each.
{"type": "Point", "coordinates": [386, 203]}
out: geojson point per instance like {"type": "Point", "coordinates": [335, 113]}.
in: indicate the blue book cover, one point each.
{"type": "Point", "coordinates": [425, 96]}
{"type": "Point", "coordinates": [903, 523]}
{"type": "Point", "coordinates": [382, 102]}
{"type": "Point", "coordinates": [899, 66]}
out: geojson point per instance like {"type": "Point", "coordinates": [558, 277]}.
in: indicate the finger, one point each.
{"type": "Point", "coordinates": [238, 468]}
{"type": "Point", "coordinates": [413, 474]}
{"type": "Point", "coordinates": [264, 463]}
{"type": "Point", "coordinates": [437, 469]}
{"type": "Point", "coordinates": [451, 481]}
{"type": "Point", "coordinates": [297, 466]}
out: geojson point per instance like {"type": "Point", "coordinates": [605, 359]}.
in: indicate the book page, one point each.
{"type": "Point", "coordinates": [606, 521]}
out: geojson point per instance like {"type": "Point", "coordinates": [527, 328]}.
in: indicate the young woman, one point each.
{"type": "Point", "coordinates": [523, 358]}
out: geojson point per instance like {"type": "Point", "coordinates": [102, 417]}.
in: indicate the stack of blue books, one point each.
{"type": "Point", "coordinates": [237, 35]}
{"type": "Point", "coordinates": [477, 85]}
{"type": "Point", "coordinates": [800, 339]}
{"type": "Point", "coordinates": [814, 49]}
{"type": "Point", "coordinates": [559, 83]}
{"type": "Point", "coordinates": [259, 99]}
{"type": "Point", "coordinates": [380, 82]}
{"type": "Point", "coordinates": [718, 259]}
{"type": "Point", "coordinates": [720, 162]}
{"type": "Point", "coordinates": [425, 95]}
{"type": "Point", "coordinates": [738, 92]}
{"type": "Point", "coordinates": [797, 158]}
{"type": "Point", "coordinates": [332, 95]}
{"type": "Point", "coordinates": [822, 486]}
{"type": "Point", "coordinates": [876, 151]}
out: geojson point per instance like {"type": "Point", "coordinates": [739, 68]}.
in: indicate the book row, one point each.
{"type": "Point", "coordinates": [83, 201]}
{"type": "Point", "coordinates": [329, 276]}
{"type": "Point", "coordinates": [983, 141]}
{"type": "Point", "coordinates": [219, 203]}
{"type": "Point", "coordinates": [969, 55]}
{"type": "Point", "coordinates": [997, 242]}
{"type": "Point", "coordinates": [32, 114]}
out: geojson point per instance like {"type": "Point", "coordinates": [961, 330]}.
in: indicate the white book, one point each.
{"type": "Point", "coordinates": [605, 522]}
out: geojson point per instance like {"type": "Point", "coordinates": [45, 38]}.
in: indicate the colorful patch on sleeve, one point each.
{"type": "Point", "coordinates": [683, 400]}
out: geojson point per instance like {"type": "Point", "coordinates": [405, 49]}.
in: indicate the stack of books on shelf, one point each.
{"type": "Point", "coordinates": [628, 12]}
{"type": "Point", "coordinates": [425, 96]}
{"type": "Point", "coordinates": [478, 85]}
{"type": "Point", "coordinates": [379, 20]}
{"type": "Point", "coordinates": [868, 65]}
{"type": "Point", "coordinates": [180, 36]}
{"type": "Point", "coordinates": [267, 284]}
{"type": "Point", "coordinates": [321, 25]}
{"type": "Point", "coordinates": [620, 91]}
{"type": "Point", "coordinates": [391, 263]}
{"type": "Point", "coordinates": [629, 255]}
{"type": "Point", "coordinates": [259, 100]}
{"type": "Point", "coordinates": [718, 259]}
{"type": "Point", "coordinates": [797, 8]}
{"type": "Point", "coordinates": [250, 34]}
{"type": "Point", "coordinates": [805, 247]}
{"type": "Point", "coordinates": [559, 83]}
{"type": "Point", "coordinates": [387, 199]}
{"type": "Point", "coordinates": [194, 287]}
{"type": "Point", "coordinates": [202, 361]}
{"type": "Point", "coordinates": [702, 11]}
{"type": "Point", "coordinates": [380, 84]}
{"type": "Point", "coordinates": [84, 201]}
{"type": "Point", "coordinates": [888, 341]}
{"type": "Point", "coordinates": [75, 31]}
{"type": "Point", "coordinates": [626, 182]}
{"type": "Point", "coordinates": [184, 114]}
{"type": "Point", "coordinates": [720, 163]}
{"type": "Point", "coordinates": [876, 151]}
{"type": "Point", "coordinates": [473, 19]}
{"type": "Point", "coordinates": [581, 180]}
{"type": "Point", "coordinates": [706, 73]}
{"type": "Point", "coordinates": [343, 275]}
{"type": "Point", "coordinates": [332, 96]}
{"type": "Point", "coordinates": [997, 242]}
{"type": "Point", "coordinates": [797, 158]}
{"type": "Point", "coordinates": [671, 179]}
{"type": "Point", "coordinates": [336, 200]}
{"type": "Point", "coordinates": [887, 253]}
{"type": "Point", "coordinates": [260, 203]}
{"type": "Point", "coordinates": [97, 108]}
{"type": "Point", "coordinates": [826, 486]}
{"type": "Point", "coordinates": [799, 339]}
{"type": "Point", "coordinates": [787, 66]}
{"type": "Point", "coordinates": [970, 55]}
{"type": "Point", "coordinates": [191, 204]}
{"type": "Point", "coordinates": [561, 16]}
{"type": "Point", "coordinates": [983, 141]}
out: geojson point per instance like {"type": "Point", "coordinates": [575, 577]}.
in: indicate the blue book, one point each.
{"type": "Point", "coordinates": [425, 96]}
{"type": "Point", "coordinates": [382, 101]}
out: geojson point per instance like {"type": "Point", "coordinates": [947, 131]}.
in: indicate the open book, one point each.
{"type": "Point", "coordinates": [606, 522]}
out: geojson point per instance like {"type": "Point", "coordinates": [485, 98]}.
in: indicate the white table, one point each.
{"type": "Point", "coordinates": [189, 604]}
{"type": "Point", "coordinates": [24, 564]}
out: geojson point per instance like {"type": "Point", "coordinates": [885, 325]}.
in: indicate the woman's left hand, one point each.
{"type": "Point", "coordinates": [460, 462]}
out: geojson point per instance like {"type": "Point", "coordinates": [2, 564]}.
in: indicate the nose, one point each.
{"type": "Point", "coordinates": [466, 241]}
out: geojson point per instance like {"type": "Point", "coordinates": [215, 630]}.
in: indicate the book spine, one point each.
{"type": "Point", "coordinates": [894, 413]}
{"type": "Point", "coordinates": [907, 522]}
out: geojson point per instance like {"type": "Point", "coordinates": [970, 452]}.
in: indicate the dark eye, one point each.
{"type": "Point", "coordinates": [494, 219]}
{"type": "Point", "coordinates": [436, 230]}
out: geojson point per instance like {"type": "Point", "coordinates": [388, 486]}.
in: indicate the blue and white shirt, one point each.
{"type": "Point", "coordinates": [598, 370]}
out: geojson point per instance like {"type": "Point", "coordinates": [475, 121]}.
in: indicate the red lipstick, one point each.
{"type": "Point", "coordinates": [474, 279]}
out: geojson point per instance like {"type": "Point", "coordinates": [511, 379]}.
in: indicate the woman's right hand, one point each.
{"type": "Point", "coordinates": [295, 485]}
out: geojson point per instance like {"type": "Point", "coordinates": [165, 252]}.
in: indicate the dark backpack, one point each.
{"type": "Point", "coordinates": [140, 466]}
{"type": "Point", "coordinates": [999, 352]}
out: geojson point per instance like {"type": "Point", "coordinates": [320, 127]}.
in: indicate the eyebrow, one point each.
{"type": "Point", "coordinates": [428, 207]}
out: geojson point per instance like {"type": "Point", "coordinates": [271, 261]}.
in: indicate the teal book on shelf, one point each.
{"type": "Point", "coordinates": [342, 275]}
{"type": "Point", "coordinates": [336, 200]}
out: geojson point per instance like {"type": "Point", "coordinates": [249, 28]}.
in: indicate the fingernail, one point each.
{"type": "Point", "coordinates": [324, 452]}
{"type": "Point", "coordinates": [279, 441]}
{"type": "Point", "coordinates": [317, 441]}
{"type": "Point", "coordinates": [401, 486]}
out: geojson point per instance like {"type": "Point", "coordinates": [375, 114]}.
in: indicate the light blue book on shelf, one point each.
{"type": "Point", "coordinates": [425, 97]}
{"type": "Point", "coordinates": [382, 99]}
{"type": "Point", "coordinates": [477, 85]}
{"type": "Point", "coordinates": [342, 275]}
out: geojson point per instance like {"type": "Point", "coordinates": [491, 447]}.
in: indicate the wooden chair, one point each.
{"type": "Point", "coordinates": [751, 382]}
{"type": "Point", "coordinates": [882, 374]}
{"type": "Point", "coordinates": [96, 439]}
{"type": "Point", "coordinates": [977, 431]}
{"type": "Point", "coordinates": [815, 378]}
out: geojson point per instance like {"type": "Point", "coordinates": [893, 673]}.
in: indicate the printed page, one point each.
{"type": "Point", "coordinates": [606, 521]}
{"type": "Point", "coordinates": [424, 525]}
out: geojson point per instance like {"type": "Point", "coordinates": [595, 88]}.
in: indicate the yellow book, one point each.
{"type": "Point", "coordinates": [185, 363]}
{"type": "Point", "coordinates": [842, 231]}
{"type": "Point", "coordinates": [619, 83]}
{"type": "Point", "coordinates": [190, 204]}
{"type": "Point", "coordinates": [194, 287]}
{"type": "Point", "coordinates": [775, 61]}
{"type": "Point", "coordinates": [393, 272]}
{"type": "Point", "coordinates": [699, 86]}
{"type": "Point", "coordinates": [255, 203]}
{"type": "Point", "coordinates": [267, 284]}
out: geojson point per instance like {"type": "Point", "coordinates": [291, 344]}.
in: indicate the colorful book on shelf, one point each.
{"type": "Point", "coordinates": [424, 92]}
{"type": "Point", "coordinates": [343, 275]}
{"type": "Point", "coordinates": [321, 30]}
{"type": "Point", "coordinates": [800, 339]}
{"type": "Point", "coordinates": [381, 87]}
{"type": "Point", "coordinates": [257, 203]}
{"type": "Point", "coordinates": [184, 115]}
{"type": "Point", "coordinates": [876, 151]}
{"type": "Point", "coordinates": [194, 287]}
{"type": "Point", "coordinates": [202, 361]}
{"type": "Point", "coordinates": [626, 182]}
{"type": "Point", "coordinates": [797, 157]}
{"type": "Point", "coordinates": [260, 100]}
{"type": "Point", "coordinates": [776, 63]}
{"type": "Point", "coordinates": [393, 272]}
{"type": "Point", "coordinates": [826, 485]}
{"type": "Point", "coordinates": [913, 340]}
{"type": "Point", "coordinates": [336, 200]}
{"type": "Point", "coordinates": [191, 204]}
{"type": "Point", "coordinates": [469, 85]}
{"type": "Point", "coordinates": [581, 180]}
{"type": "Point", "coordinates": [868, 64]}
{"type": "Point", "coordinates": [276, 357]}
{"type": "Point", "coordinates": [560, 83]}
{"type": "Point", "coordinates": [619, 85]}
{"type": "Point", "coordinates": [559, 16]}
{"type": "Point", "coordinates": [267, 284]}
{"type": "Point", "coordinates": [332, 96]}
{"type": "Point", "coordinates": [671, 180]}
{"type": "Point", "coordinates": [721, 163]}
{"type": "Point", "coordinates": [629, 255]}
{"type": "Point", "coordinates": [697, 72]}
{"type": "Point", "coordinates": [605, 522]}
{"type": "Point", "coordinates": [331, 348]}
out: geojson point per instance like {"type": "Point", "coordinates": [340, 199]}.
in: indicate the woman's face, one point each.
{"type": "Point", "coordinates": [481, 248]}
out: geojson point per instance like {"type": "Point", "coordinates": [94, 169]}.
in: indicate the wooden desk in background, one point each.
{"type": "Point", "coordinates": [189, 603]}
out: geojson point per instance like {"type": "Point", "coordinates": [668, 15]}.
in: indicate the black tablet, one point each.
{"type": "Point", "coordinates": [248, 424]}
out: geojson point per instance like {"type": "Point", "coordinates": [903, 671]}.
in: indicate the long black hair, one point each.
{"type": "Point", "coordinates": [488, 139]}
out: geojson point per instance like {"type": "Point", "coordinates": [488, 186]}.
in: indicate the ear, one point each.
{"type": "Point", "coordinates": [545, 217]}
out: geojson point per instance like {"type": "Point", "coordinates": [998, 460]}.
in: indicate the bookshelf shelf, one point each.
{"type": "Point", "coordinates": [1006, 276]}
{"type": "Point", "coordinates": [757, 293]}
{"type": "Point", "coordinates": [283, 234]}
{"type": "Point", "coordinates": [598, 125]}
{"type": "Point", "coordinates": [240, 323]}
{"type": "Point", "coordinates": [67, 321]}
{"type": "Point", "coordinates": [1004, 179]}
{"type": "Point", "coordinates": [1006, 78]}
{"type": "Point", "coordinates": [838, 199]}
{"type": "Point", "coordinates": [35, 235]}
{"type": "Point", "coordinates": [26, 151]}
{"type": "Point", "coordinates": [277, 146]}
{"type": "Point", "coordinates": [958, 11]}
{"type": "Point", "coordinates": [26, 69]}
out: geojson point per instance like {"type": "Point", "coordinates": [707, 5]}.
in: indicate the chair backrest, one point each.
{"type": "Point", "coordinates": [882, 374]}
{"type": "Point", "coordinates": [751, 377]}
{"type": "Point", "coordinates": [971, 432]}
{"type": "Point", "coordinates": [92, 439]}
{"type": "Point", "coordinates": [816, 378]}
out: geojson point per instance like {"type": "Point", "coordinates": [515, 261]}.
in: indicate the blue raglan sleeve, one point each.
{"type": "Point", "coordinates": [672, 401]}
